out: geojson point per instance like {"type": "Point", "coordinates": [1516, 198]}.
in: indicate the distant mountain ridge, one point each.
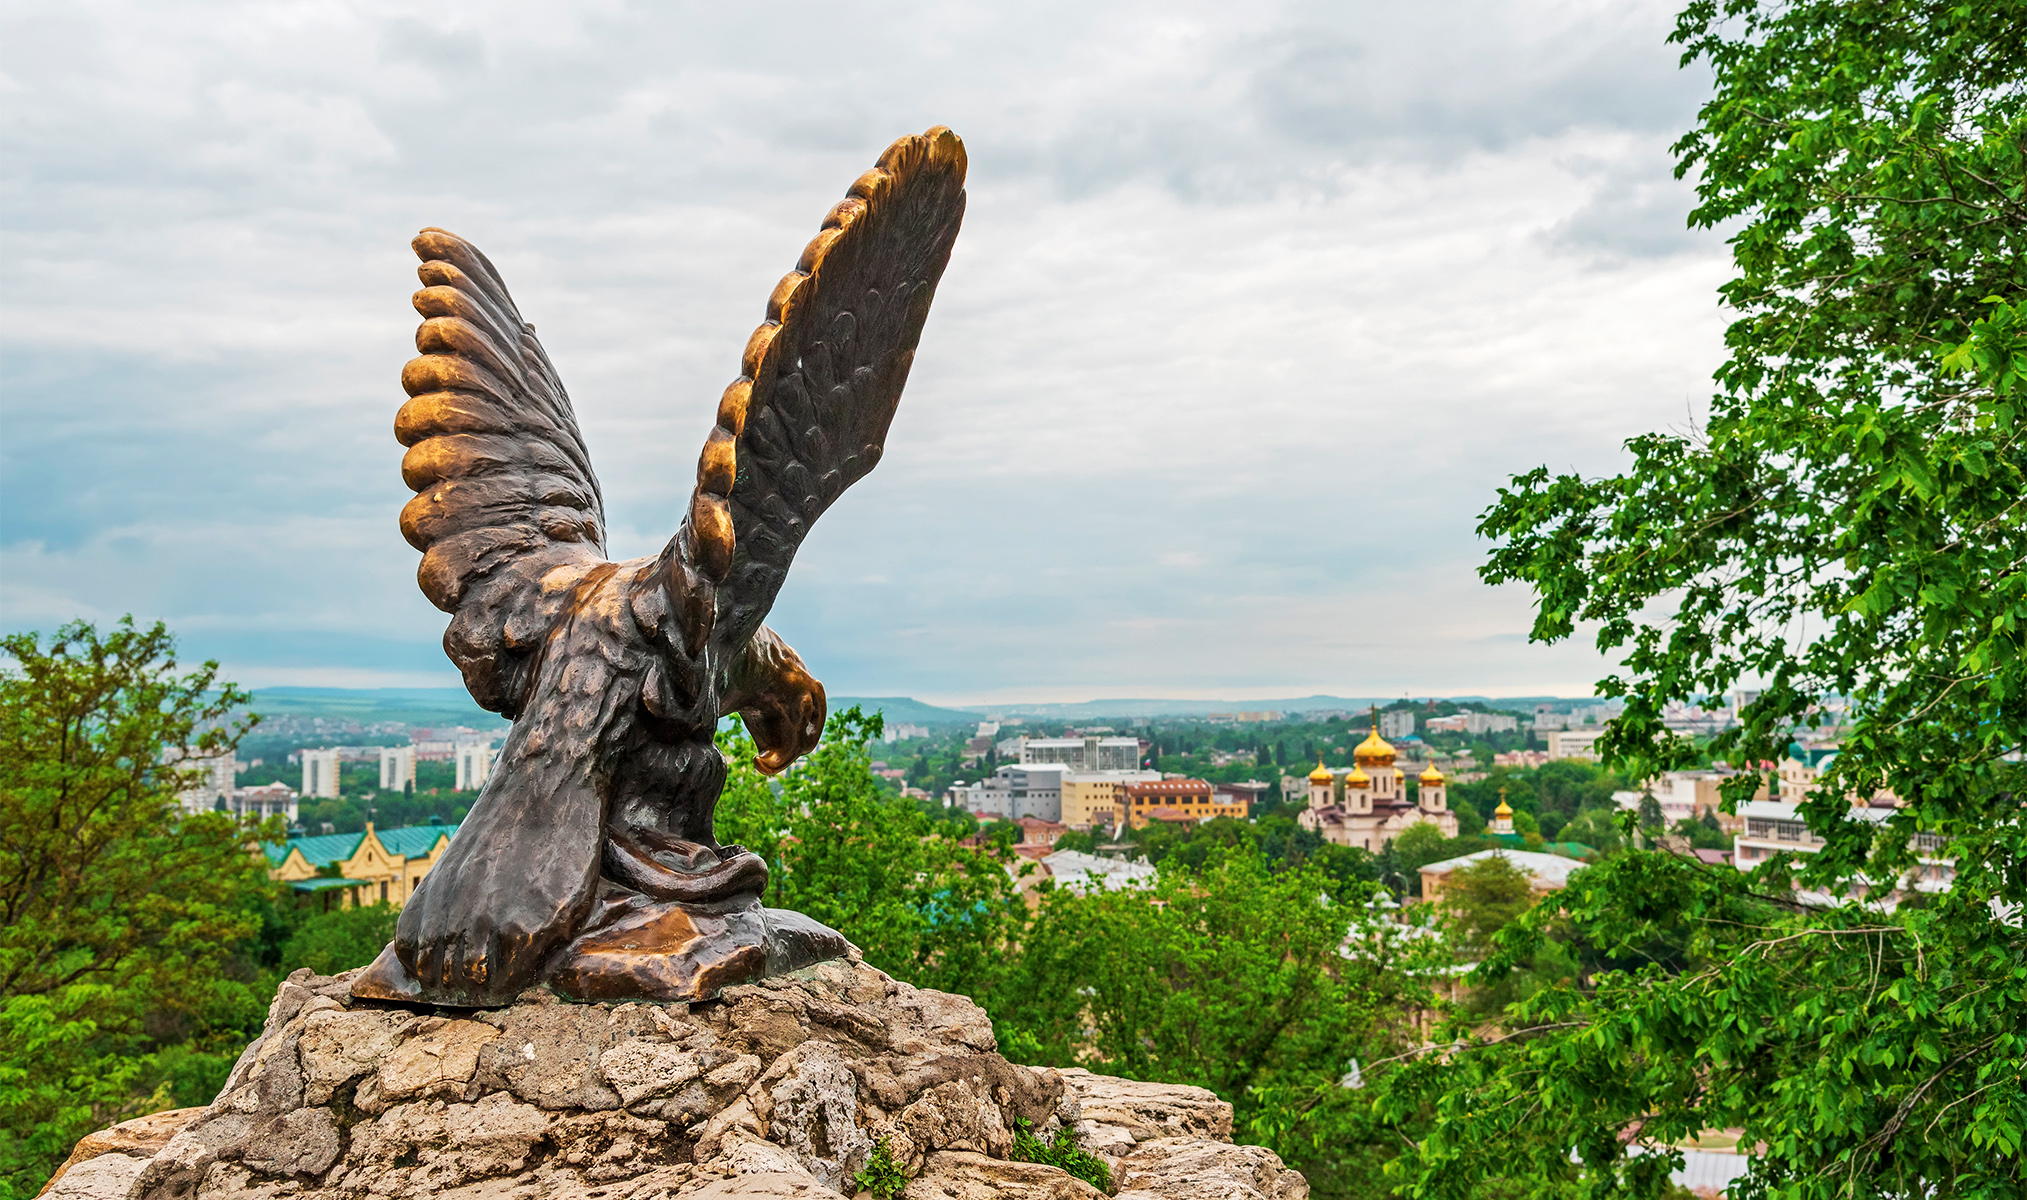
{"type": "Point", "coordinates": [1189, 708]}
{"type": "Point", "coordinates": [411, 706]}
{"type": "Point", "coordinates": [453, 706]}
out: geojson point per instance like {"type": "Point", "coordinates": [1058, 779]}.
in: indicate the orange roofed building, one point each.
{"type": "Point", "coordinates": [1192, 800]}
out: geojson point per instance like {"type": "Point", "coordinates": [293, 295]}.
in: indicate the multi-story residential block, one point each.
{"type": "Point", "coordinates": [212, 781]}
{"type": "Point", "coordinates": [397, 768]}
{"type": "Point", "coordinates": [1481, 723]}
{"type": "Point", "coordinates": [474, 763]}
{"type": "Point", "coordinates": [1774, 826]}
{"type": "Point", "coordinates": [1397, 723]}
{"type": "Point", "coordinates": [320, 773]}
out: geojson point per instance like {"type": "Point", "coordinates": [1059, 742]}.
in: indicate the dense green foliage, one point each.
{"type": "Point", "coordinates": [1847, 527]}
{"type": "Point", "coordinates": [117, 912]}
{"type": "Point", "coordinates": [850, 853]}
{"type": "Point", "coordinates": [139, 946]}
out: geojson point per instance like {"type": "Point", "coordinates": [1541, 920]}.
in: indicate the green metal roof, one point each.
{"type": "Point", "coordinates": [326, 848]}
{"type": "Point", "coordinates": [412, 841]}
{"type": "Point", "coordinates": [318, 885]}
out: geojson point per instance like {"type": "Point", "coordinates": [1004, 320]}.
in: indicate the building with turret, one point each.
{"type": "Point", "coordinates": [1375, 809]}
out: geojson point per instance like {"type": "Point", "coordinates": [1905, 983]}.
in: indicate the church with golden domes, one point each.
{"type": "Point", "coordinates": [1376, 808]}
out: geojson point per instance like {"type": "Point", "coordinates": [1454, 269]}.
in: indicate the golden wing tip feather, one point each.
{"type": "Point", "coordinates": [938, 150]}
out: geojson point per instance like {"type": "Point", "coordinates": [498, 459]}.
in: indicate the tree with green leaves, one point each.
{"type": "Point", "coordinates": [117, 910]}
{"type": "Point", "coordinates": [1236, 976]}
{"type": "Point", "coordinates": [844, 849]}
{"type": "Point", "coordinates": [1845, 532]}
{"type": "Point", "coordinates": [1483, 897]}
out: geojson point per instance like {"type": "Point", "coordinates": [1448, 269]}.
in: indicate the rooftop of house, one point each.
{"type": "Point", "coordinates": [1551, 868]}
{"type": "Point", "coordinates": [1081, 872]}
{"type": "Point", "coordinates": [410, 841]}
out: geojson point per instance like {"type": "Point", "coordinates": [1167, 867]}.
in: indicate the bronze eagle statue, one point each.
{"type": "Point", "coordinates": [588, 860]}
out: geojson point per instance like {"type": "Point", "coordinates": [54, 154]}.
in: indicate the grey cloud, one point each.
{"type": "Point", "coordinates": [1252, 310]}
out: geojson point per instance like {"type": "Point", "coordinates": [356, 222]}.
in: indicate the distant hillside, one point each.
{"type": "Point", "coordinates": [1192, 708]}
{"type": "Point", "coordinates": [411, 706]}
{"type": "Point", "coordinates": [905, 709]}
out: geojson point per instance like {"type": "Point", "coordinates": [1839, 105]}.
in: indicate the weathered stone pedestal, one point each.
{"type": "Point", "coordinates": [781, 1088]}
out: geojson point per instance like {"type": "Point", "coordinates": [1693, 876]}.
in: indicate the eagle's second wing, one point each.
{"type": "Point", "coordinates": [821, 378]}
{"type": "Point", "coordinates": [505, 493]}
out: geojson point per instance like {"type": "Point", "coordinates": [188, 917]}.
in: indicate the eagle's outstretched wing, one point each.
{"type": "Point", "coordinates": [505, 489]}
{"type": "Point", "coordinates": [822, 375]}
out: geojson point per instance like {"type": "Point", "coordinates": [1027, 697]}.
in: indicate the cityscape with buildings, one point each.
{"type": "Point", "coordinates": [363, 823]}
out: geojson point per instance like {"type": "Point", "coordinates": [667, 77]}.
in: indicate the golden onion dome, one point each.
{"type": "Point", "coordinates": [1357, 779]}
{"type": "Point", "coordinates": [1321, 774]}
{"type": "Point", "coordinates": [1431, 776]}
{"type": "Point", "coordinates": [1374, 749]}
{"type": "Point", "coordinates": [1504, 809]}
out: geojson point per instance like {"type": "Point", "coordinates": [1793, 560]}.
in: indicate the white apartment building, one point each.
{"type": "Point", "coordinates": [1397, 723]}
{"type": "Point", "coordinates": [1573, 743]}
{"type": "Point", "coordinates": [397, 768]}
{"type": "Point", "coordinates": [474, 763]}
{"type": "Point", "coordinates": [1478, 722]}
{"type": "Point", "coordinates": [214, 780]}
{"type": "Point", "coordinates": [899, 733]}
{"type": "Point", "coordinates": [1773, 826]}
{"type": "Point", "coordinates": [320, 772]}
{"type": "Point", "coordinates": [1085, 753]}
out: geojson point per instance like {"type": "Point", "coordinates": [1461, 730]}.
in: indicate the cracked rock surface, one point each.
{"type": "Point", "coordinates": [778, 1089]}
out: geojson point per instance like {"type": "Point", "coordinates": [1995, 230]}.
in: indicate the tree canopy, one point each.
{"type": "Point", "coordinates": [1845, 535]}
{"type": "Point", "coordinates": [116, 909]}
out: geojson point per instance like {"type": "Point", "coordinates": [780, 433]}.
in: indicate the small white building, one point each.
{"type": "Point", "coordinates": [320, 773]}
{"type": "Point", "coordinates": [266, 800]}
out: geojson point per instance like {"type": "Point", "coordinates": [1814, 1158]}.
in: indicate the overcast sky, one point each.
{"type": "Point", "coordinates": [1254, 308]}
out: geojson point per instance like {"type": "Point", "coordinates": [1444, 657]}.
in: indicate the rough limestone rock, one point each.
{"type": "Point", "coordinates": [780, 1089]}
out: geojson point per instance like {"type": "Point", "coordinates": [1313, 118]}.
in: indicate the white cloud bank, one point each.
{"type": "Point", "coordinates": [1254, 308]}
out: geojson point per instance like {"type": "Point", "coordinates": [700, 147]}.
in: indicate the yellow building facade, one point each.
{"type": "Point", "coordinates": [342, 870]}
